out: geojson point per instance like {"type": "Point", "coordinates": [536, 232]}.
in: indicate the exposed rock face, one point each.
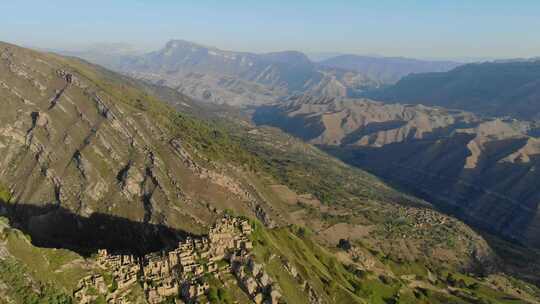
{"type": "Point", "coordinates": [483, 170]}
{"type": "Point", "coordinates": [237, 78]}
{"type": "Point", "coordinates": [73, 137]}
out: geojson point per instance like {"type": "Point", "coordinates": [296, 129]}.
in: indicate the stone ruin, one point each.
{"type": "Point", "coordinates": [89, 287]}
{"type": "Point", "coordinates": [181, 271]}
{"type": "Point", "coordinates": [254, 280]}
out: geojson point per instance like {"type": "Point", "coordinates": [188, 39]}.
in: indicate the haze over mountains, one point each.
{"type": "Point", "coordinates": [236, 78]}
{"type": "Point", "coordinates": [388, 70]}
{"type": "Point", "coordinates": [239, 78]}
{"type": "Point", "coordinates": [503, 88]}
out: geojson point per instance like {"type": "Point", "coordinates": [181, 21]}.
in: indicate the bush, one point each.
{"type": "Point", "coordinates": [224, 296]}
{"type": "Point", "coordinates": [213, 296]}
{"type": "Point", "coordinates": [114, 286]}
{"type": "Point", "coordinates": [5, 196]}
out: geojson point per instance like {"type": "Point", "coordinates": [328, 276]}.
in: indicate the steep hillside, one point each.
{"type": "Point", "coordinates": [80, 141]}
{"type": "Point", "coordinates": [495, 89]}
{"type": "Point", "coordinates": [92, 160]}
{"type": "Point", "coordinates": [387, 70]}
{"type": "Point", "coordinates": [289, 258]}
{"type": "Point", "coordinates": [483, 170]}
{"type": "Point", "coordinates": [236, 78]}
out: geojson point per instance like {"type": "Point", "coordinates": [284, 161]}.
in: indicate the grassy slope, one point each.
{"type": "Point", "coordinates": [37, 275]}
{"type": "Point", "coordinates": [209, 139]}
{"type": "Point", "coordinates": [336, 282]}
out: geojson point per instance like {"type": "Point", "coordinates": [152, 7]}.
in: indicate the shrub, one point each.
{"type": "Point", "coordinates": [5, 196]}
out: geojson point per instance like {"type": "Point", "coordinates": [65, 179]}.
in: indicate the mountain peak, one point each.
{"type": "Point", "coordinates": [179, 44]}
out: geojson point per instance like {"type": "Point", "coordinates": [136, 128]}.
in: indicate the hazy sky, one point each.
{"type": "Point", "coordinates": [436, 28]}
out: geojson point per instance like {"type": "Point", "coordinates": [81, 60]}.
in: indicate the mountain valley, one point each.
{"type": "Point", "coordinates": [454, 158]}
{"type": "Point", "coordinates": [96, 160]}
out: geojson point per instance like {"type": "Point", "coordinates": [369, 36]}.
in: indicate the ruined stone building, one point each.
{"type": "Point", "coordinates": [181, 271]}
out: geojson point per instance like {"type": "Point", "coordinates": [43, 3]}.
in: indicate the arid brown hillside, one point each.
{"type": "Point", "coordinates": [483, 170]}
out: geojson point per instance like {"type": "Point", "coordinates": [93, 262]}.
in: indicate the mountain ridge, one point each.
{"type": "Point", "coordinates": [388, 70]}
{"type": "Point", "coordinates": [235, 78]}
{"type": "Point", "coordinates": [490, 88]}
{"type": "Point", "coordinates": [149, 156]}
{"type": "Point", "coordinates": [281, 73]}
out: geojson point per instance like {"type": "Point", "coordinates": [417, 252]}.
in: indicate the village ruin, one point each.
{"type": "Point", "coordinates": [180, 274]}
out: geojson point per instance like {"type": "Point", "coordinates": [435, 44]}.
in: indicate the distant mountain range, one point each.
{"type": "Point", "coordinates": [388, 69]}
{"type": "Point", "coordinates": [236, 78]}
{"type": "Point", "coordinates": [503, 88]}
{"type": "Point", "coordinates": [241, 78]}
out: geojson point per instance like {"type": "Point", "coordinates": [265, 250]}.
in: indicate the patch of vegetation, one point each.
{"type": "Point", "coordinates": [210, 139]}
{"type": "Point", "coordinates": [324, 273]}
{"type": "Point", "coordinates": [338, 283]}
{"type": "Point", "coordinates": [46, 265]}
{"type": "Point", "coordinates": [306, 169]}
{"type": "Point", "coordinates": [24, 290]}
{"type": "Point", "coordinates": [213, 140]}
{"type": "Point", "coordinates": [217, 294]}
{"type": "Point", "coordinates": [5, 196]}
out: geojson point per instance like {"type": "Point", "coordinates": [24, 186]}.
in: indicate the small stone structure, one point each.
{"type": "Point", "coordinates": [89, 287]}
{"type": "Point", "coordinates": [253, 279]}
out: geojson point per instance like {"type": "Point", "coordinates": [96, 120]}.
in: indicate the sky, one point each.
{"type": "Point", "coordinates": [421, 28]}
